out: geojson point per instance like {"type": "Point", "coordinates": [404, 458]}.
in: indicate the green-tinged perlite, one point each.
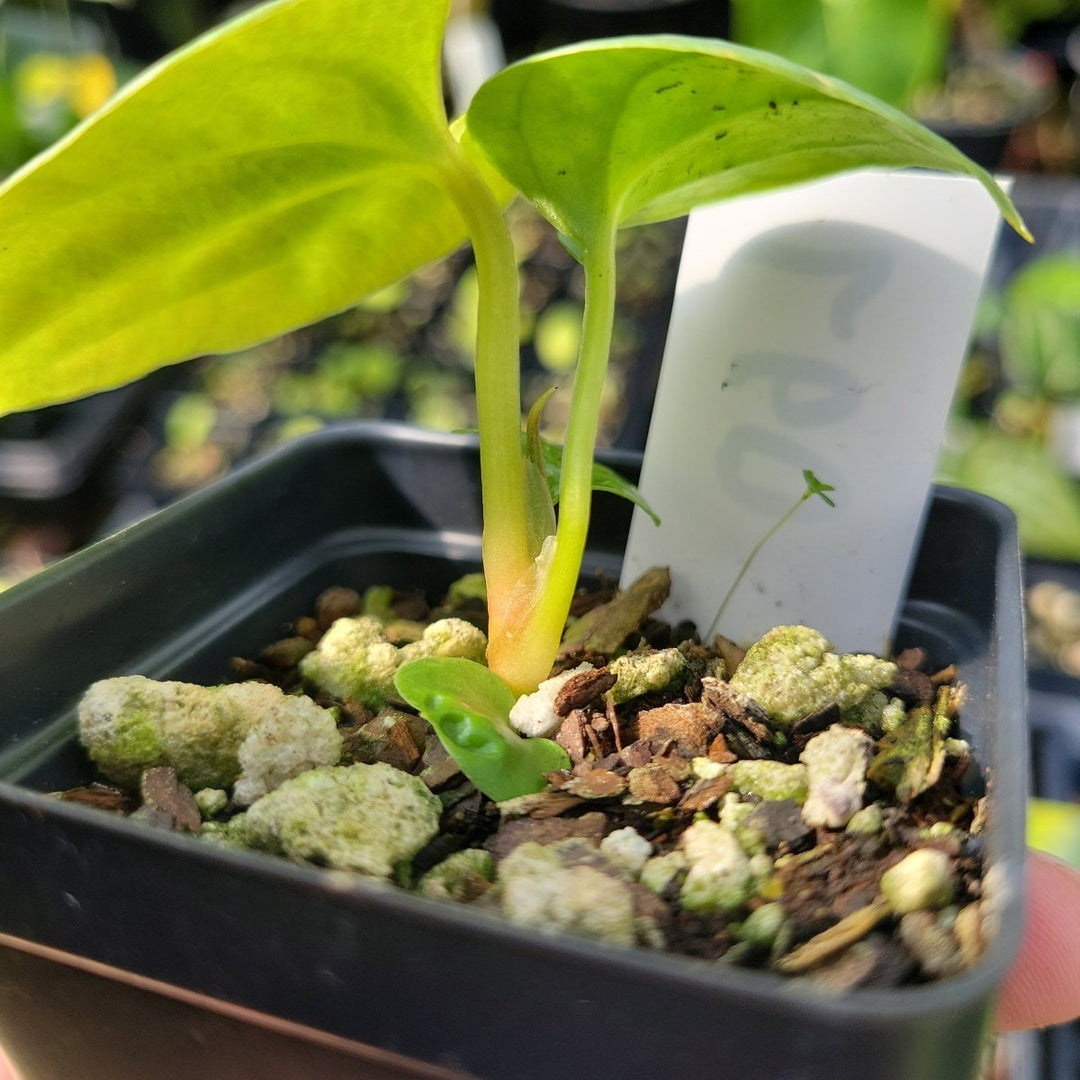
{"type": "Point", "coordinates": [368, 819]}
{"type": "Point", "coordinates": [770, 780]}
{"type": "Point", "coordinates": [793, 671]}
{"type": "Point", "coordinates": [719, 876]}
{"type": "Point", "coordinates": [462, 876]}
{"type": "Point", "coordinates": [637, 674]}
{"type": "Point", "coordinates": [355, 661]}
{"type": "Point", "coordinates": [651, 842]}
{"type": "Point", "coordinates": [246, 736]}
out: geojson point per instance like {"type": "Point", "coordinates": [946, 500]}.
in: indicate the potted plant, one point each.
{"type": "Point", "coordinates": [332, 172]}
{"type": "Point", "coordinates": [947, 63]}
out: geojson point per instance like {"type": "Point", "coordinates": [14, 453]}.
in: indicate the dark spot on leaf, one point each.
{"type": "Point", "coordinates": [719, 108]}
{"type": "Point", "coordinates": [796, 102]}
{"type": "Point", "coordinates": [669, 86]}
{"type": "Point", "coordinates": [720, 135]}
{"type": "Point", "coordinates": [772, 105]}
{"type": "Point", "coordinates": [562, 172]}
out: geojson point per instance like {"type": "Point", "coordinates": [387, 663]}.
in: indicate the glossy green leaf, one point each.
{"type": "Point", "coordinates": [468, 705]}
{"type": "Point", "coordinates": [662, 124]}
{"type": "Point", "coordinates": [604, 478]}
{"type": "Point", "coordinates": [272, 172]}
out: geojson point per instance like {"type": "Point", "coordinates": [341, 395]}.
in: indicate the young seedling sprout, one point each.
{"type": "Point", "coordinates": [814, 486]}
{"type": "Point", "coordinates": [299, 158]}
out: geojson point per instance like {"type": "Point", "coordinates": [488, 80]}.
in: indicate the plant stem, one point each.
{"type": "Point", "coordinates": [748, 561]}
{"type": "Point", "coordinates": [575, 489]}
{"type": "Point", "coordinates": [814, 486]}
{"type": "Point", "coordinates": [498, 390]}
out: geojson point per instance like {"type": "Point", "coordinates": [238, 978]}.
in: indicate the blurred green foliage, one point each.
{"type": "Point", "coordinates": [1014, 413]}
{"type": "Point", "coordinates": [890, 48]}
{"type": "Point", "coordinates": [1039, 329]}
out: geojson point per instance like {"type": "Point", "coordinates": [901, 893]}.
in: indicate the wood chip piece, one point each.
{"type": "Point", "coordinates": [102, 796]}
{"type": "Point", "coordinates": [914, 688]}
{"type": "Point", "coordinates": [592, 826]}
{"type": "Point", "coordinates": [582, 690]}
{"type": "Point", "coordinates": [730, 652]}
{"type": "Point", "coordinates": [571, 736]}
{"type": "Point", "coordinates": [705, 793]}
{"type": "Point", "coordinates": [720, 752]}
{"type": "Point", "coordinates": [692, 725]}
{"type": "Point", "coordinates": [637, 753]}
{"type": "Point", "coordinates": [606, 627]}
{"type": "Point", "coordinates": [336, 603]}
{"type": "Point", "coordinates": [596, 784]}
{"type": "Point", "coordinates": [746, 725]}
{"type": "Point", "coordinates": [166, 801]}
{"type": "Point", "coordinates": [652, 784]}
{"type": "Point", "coordinates": [838, 937]}
{"type": "Point", "coordinates": [387, 737]}
{"type": "Point", "coordinates": [287, 652]}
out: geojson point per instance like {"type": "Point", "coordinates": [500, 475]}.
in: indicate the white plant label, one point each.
{"type": "Point", "coordinates": [821, 327]}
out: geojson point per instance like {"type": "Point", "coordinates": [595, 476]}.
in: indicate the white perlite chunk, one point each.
{"type": "Point", "coordinates": [533, 715]}
{"type": "Point", "coordinates": [719, 877]}
{"type": "Point", "coordinates": [132, 723]}
{"type": "Point", "coordinates": [447, 637]}
{"type": "Point", "coordinates": [923, 879]}
{"type": "Point", "coordinates": [628, 849]}
{"type": "Point", "coordinates": [836, 763]}
{"type": "Point", "coordinates": [536, 890]}
{"type": "Point", "coordinates": [291, 736]}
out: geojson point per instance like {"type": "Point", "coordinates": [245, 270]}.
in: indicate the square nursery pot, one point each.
{"type": "Point", "coordinates": [129, 952]}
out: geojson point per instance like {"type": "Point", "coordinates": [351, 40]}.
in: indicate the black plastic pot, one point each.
{"type": "Point", "coordinates": [50, 453]}
{"type": "Point", "coordinates": [1020, 86]}
{"type": "Point", "coordinates": [529, 25]}
{"type": "Point", "coordinates": [126, 951]}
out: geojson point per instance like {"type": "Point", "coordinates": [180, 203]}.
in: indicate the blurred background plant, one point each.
{"type": "Point", "coordinates": [1014, 433]}
{"type": "Point", "coordinates": [54, 71]}
{"type": "Point", "coordinates": [958, 65]}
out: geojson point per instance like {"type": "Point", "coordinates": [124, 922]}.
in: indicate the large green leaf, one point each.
{"type": "Point", "coordinates": [271, 173]}
{"type": "Point", "coordinates": [642, 129]}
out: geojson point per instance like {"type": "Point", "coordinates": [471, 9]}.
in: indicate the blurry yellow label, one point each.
{"type": "Point", "coordinates": [1054, 827]}
{"type": "Point", "coordinates": [84, 82]}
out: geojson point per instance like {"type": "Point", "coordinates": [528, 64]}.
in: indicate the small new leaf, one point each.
{"type": "Point", "coordinates": [604, 478]}
{"type": "Point", "coordinates": [468, 705]}
{"type": "Point", "coordinates": [814, 486]}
